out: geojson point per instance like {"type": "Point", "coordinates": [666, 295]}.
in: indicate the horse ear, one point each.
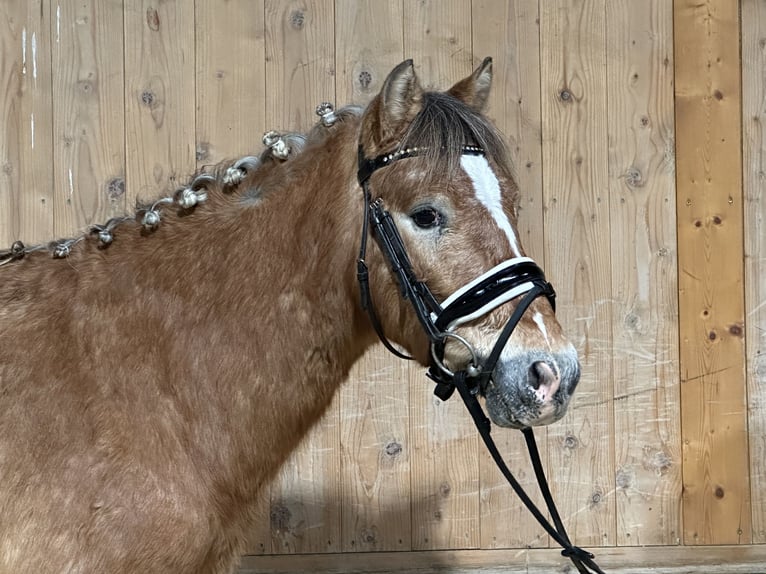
{"type": "Point", "coordinates": [400, 100]}
{"type": "Point", "coordinates": [474, 90]}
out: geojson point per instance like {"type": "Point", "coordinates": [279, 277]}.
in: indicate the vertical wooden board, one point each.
{"type": "Point", "coordinates": [509, 31]}
{"type": "Point", "coordinates": [230, 79]}
{"type": "Point", "coordinates": [375, 444]}
{"type": "Point", "coordinates": [368, 44]}
{"type": "Point", "coordinates": [300, 61]}
{"type": "Point", "coordinates": [300, 70]}
{"type": "Point", "coordinates": [644, 271]}
{"type": "Point", "coordinates": [445, 463]}
{"type": "Point", "coordinates": [159, 96]}
{"type": "Point", "coordinates": [26, 170]}
{"type": "Point", "coordinates": [375, 438]}
{"type": "Point", "coordinates": [716, 499]}
{"type": "Point", "coordinates": [89, 130]}
{"type": "Point", "coordinates": [576, 206]}
{"type": "Point", "coordinates": [754, 172]}
{"type": "Point", "coordinates": [437, 35]}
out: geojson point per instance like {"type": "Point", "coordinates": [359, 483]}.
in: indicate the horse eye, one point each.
{"type": "Point", "coordinates": [427, 218]}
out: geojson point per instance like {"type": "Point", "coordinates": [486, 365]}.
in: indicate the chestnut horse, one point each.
{"type": "Point", "coordinates": [157, 371]}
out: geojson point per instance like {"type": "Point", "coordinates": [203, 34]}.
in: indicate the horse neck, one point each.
{"type": "Point", "coordinates": [246, 316]}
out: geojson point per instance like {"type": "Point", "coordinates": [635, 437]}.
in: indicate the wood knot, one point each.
{"type": "Point", "coordinates": [634, 177]}
{"type": "Point", "coordinates": [716, 219]}
{"type": "Point", "coordinates": [736, 330]}
{"type": "Point", "coordinates": [297, 19]}
{"type": "Point", "coordinates": [147, 98]}
{"type": "Point", "coordinates": [444, 489]}
{"type": "Point", "coordinates": [152, 19]}
{"type": "Point", "coordinates": [365, 79]}
{"type": "Point", "coordinates": [718, 492]}
{"type": "Point", "coordinates": [85, 86]}
{"type": "Point", "coordinates": [644, 121]}
{"type": "Point", "coordinates": [280, 517]}
{"type": "Point", "coordinates": [565, 95]}
{"type": "Point", "coordinates": [571, 442]}
{"type": "Point", "coordinates": [369, 535]}
{"type": "Point", "coordinates": [712, 336]}
{"type": "Point", "coordinates": [631, 321]}
{"type": "Point", "coordinates": [596, 497]}
{"type": "Point", "coordinates": [115, 188]}
{"type": "Point", "coordinates": [393, 449]}
{"type": "Point", "coordinates": [624, 478]}
{"type": "Point", "coordinates": [718, 95]}
{"type": "Point", "coordinates": [202, 151]}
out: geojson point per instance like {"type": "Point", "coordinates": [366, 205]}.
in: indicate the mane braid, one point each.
{"type": "Point", "coordinates": [444, 125]}
{"type": "Point", "coordinates": [213, 184]}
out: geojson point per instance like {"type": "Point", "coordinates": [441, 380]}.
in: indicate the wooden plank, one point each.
{"type": "Point", "coordinates": [754, 150]}
{"type": "Point", "coordinates": [230, 79]}
{"type": "Point", "coordinates": [644, 271]}
{"type": "Point", "coordinates": [376, 447]}
{"type": "Point", "coordinates": [300, 68]}
{"type": "Point", "coordinates": [300, 61]}
{"type": "Point", "coordinates": [159, 96]}
{"type": "Point", "coordinates": [26, 169]}
{"type": "Point", "coordinates": [89, 129]}
{"type": "Point", "coordinates": [716, 501]}
{"type": "Point", "coordinates": [630, 560]}
{"type": "Point", "coordinates": [375, 437]}
{"type": "Point", "coordinates": [509, 31]}
{"type": "Point", "coordinates": [368, 44]}
{"type": "Point", "coordinates": [445, 463]}
{"type": "Point", "coordinates": [576, 195]}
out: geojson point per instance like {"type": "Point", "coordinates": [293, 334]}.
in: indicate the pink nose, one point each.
{"type": "Point", "coordinates": [544, 380]}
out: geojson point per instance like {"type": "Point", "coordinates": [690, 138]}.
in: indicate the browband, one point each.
{"type": "Point", "coordinates": [368, 166]}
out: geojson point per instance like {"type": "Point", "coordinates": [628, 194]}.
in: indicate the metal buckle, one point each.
{"type": "Point", "coordinates": [473, 369]}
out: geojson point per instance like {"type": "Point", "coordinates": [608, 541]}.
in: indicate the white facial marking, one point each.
{"type": "Point", "coordinates": [539, 321]}
{"type": "Point", "coordinates": [487, 190]}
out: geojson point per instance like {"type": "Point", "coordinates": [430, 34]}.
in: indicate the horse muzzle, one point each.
{"type": "Point", "coordinates": [531, 388]}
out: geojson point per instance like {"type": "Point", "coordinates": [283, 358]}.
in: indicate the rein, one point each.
{"type": "Point", "coordinates": [514, 278]}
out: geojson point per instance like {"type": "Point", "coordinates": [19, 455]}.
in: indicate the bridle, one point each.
{"type": "Point", "coordinates": [519, 278]}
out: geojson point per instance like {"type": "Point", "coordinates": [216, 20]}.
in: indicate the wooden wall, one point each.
{"type": "Point", "coordinates": [636, 131]}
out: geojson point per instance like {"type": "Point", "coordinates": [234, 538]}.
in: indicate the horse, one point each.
{"type": "Point", "coordinates": [157, 370]}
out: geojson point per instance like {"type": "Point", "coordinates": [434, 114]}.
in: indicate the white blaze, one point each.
{"type": "Point", "coordinates": [540, 322]}
{"type": "Point", "coordinates": [487, 190]}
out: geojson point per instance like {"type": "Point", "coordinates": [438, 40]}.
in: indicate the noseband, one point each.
{"type": "Point", "coordinates": [518, 278]}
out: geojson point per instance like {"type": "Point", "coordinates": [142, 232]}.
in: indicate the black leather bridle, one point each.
{"type": "Point", "coordinates": [515, 279]}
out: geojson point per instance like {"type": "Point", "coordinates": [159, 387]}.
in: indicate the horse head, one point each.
{"type": "Point", "coordinates": [443, 207]}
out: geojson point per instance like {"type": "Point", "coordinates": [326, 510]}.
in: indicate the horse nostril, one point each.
{"type": "Point", "coordinates": [541, 374]}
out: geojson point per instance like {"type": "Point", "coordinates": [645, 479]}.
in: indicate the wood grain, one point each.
{"type": "Point", "coordinates": [376, 449]}
{"type": "Point", "coordinates": [644, 272]}
{"type": "Point", "coordinates": [368, 44]}
{"type": "Point", "coordinates": [89, 158]}
{"type": "Point", "coordinates": [230, 79]}
{"type": "Point", "coordinates": [510, 33]}
{"type": "Point", "coordinates": [159, 96]}
{"type": "Point", "coordinates": [300, 68]}
{"type": "Point", "coordinates": [754, 158]}
{"type": "Point", "coordinates": [375, 435]}
{"type": "Point", "coordinates": [26, 147]}
{"type": "Point", "coordinates": [716, 501]}
{"type": "Point", "coordinates": [300, 61]}
{"type": "Point", "coordinates": [578, 258]}
{"type": "Point", "coordinates": [445, 463]}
